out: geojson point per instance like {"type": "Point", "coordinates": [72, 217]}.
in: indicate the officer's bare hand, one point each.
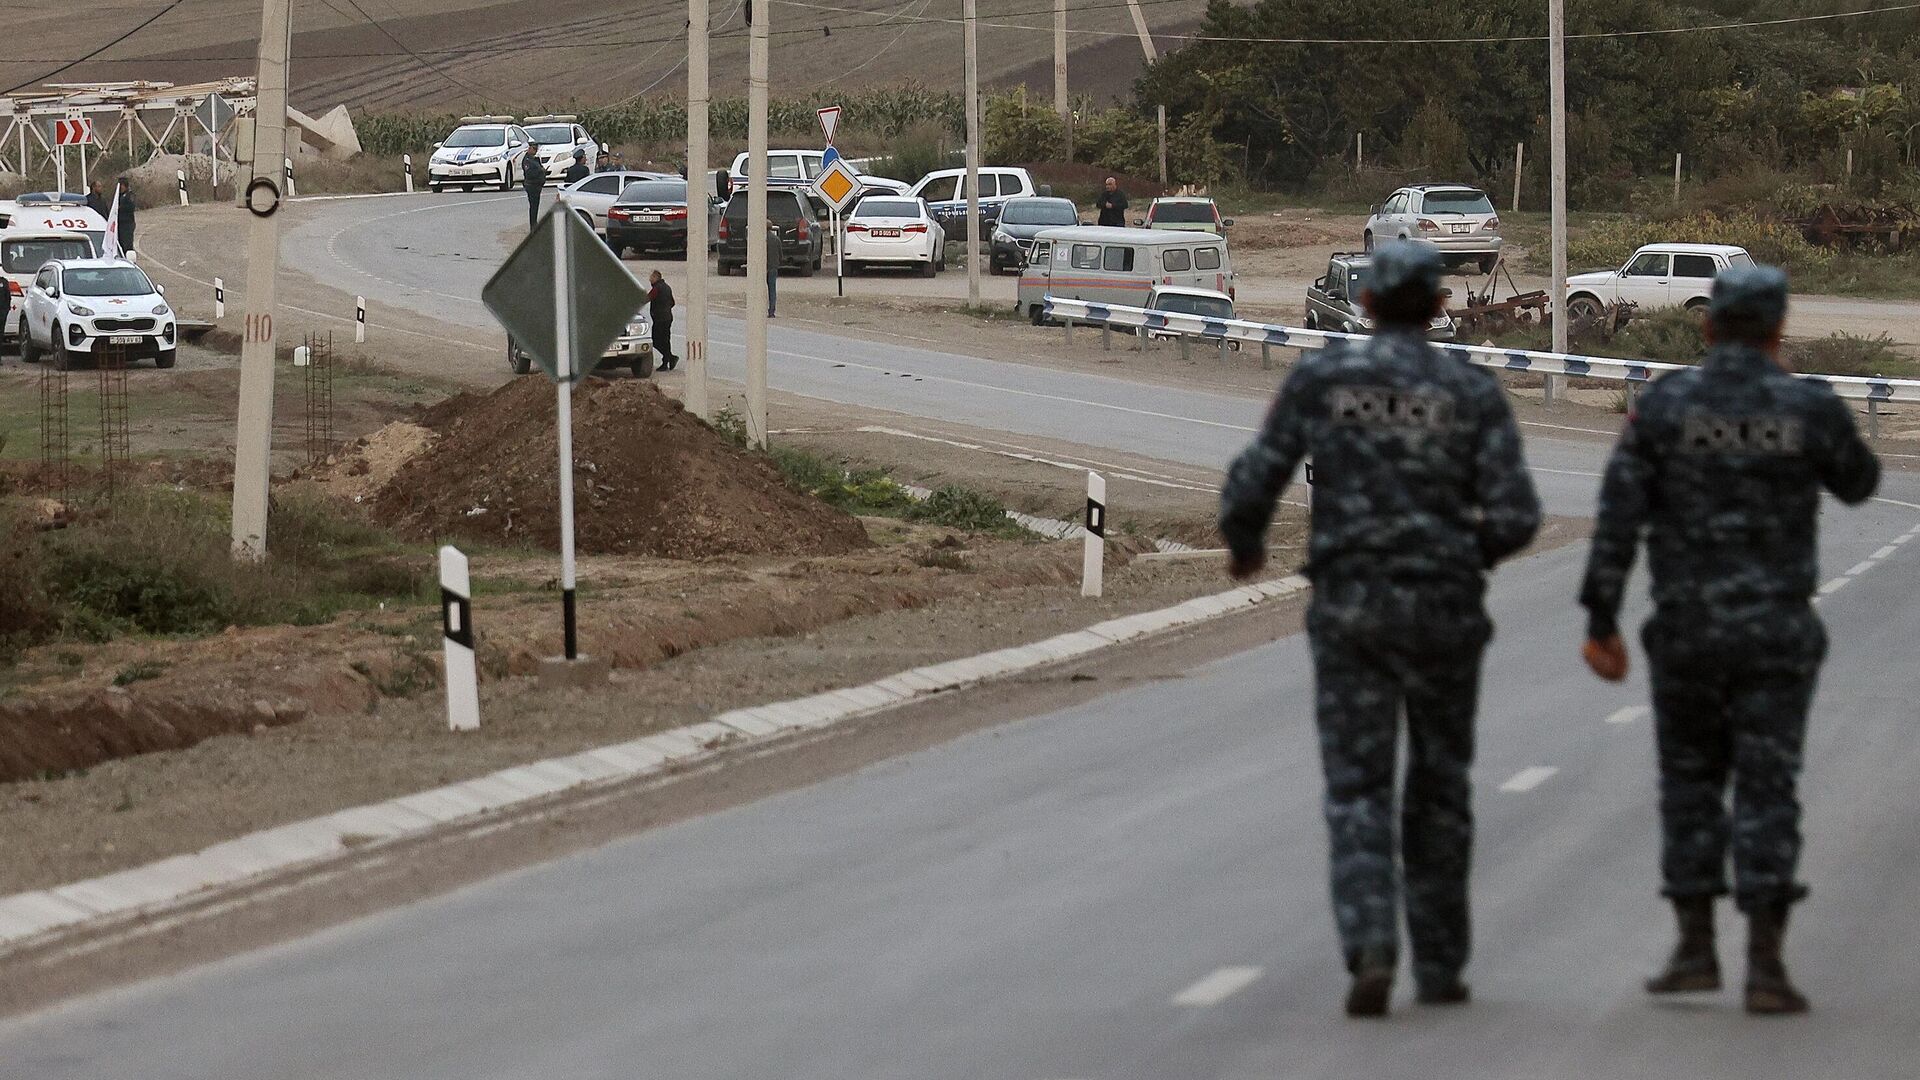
{"type": "Point", "coordinates": [1242, 567]}
{"type": "Point", "coordinates": [1607, 657]}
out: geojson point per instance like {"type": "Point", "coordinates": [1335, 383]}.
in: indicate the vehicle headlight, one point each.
{"type": "Point", "coordinates": [637, 327]}
{"type": "Point", "coordinates": [79, 309]}
{"type": "Point", "coordinates": [161, 309]}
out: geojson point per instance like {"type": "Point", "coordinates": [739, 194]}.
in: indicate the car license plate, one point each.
{"type": "Point", "coordinates": [646, 217]}
{"type": "Point", "coordinates": [886, 232]}
{"type": "Point", "coordinates": [125, 339]}
{"type": "Point", "coordinates": [1461, 227]}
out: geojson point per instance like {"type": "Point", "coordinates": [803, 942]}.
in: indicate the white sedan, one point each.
{"type": "Point", "coordinates": [886, 230]}
{"type": "Point", "coordinates": [555, 139]}
{"type": "Point", "coordinates": [101, 307]}
{"type": "Point", "coordinates": [591, 197]}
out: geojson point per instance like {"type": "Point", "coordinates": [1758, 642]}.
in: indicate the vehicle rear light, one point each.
{"type": "Point", "coordinates": [1492, 224]}
{"type": "Point", "coordinates": [854, 227]}
{"type": "Point", "coordinates": [14, 288]}
{"type": "Point", "coordinates": [800, 231]}
{"type": "Point", "coordinates": [617, 214]}
{"type": "Point", "coordinates": [1426, 225]}
{"type": "Point", "coordinates": [915, 229]}
{"type": "Point", "coordinates": [724, 230]}
{"type": "Point", "coordinates": [1233, 293]}
{"type": "Point", "coordinates": [677, 214]}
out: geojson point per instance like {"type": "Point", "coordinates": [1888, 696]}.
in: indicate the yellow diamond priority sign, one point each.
{"type": "Point", "coordinates": [838, 185]}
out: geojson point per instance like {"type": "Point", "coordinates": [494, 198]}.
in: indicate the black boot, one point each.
{"type": "Point", "coordinates": [1768, 989]}
{"type": "Point", "coordinates": [1442, 990]}
{"type": "Point", "coordinates": [1693, 966]}
{"type": "Point", "coordinates": [1372, 983]}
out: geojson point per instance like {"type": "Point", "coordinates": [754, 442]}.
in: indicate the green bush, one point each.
{"type": "Point", "coordinates": [1847, 354]}
{"type": "Point", "coordinates": [1017, 129]}
{"type": "Point", "coordinates": [861, 491]}
{"type": "Point", "coordinates": [914, 153]}
{"type": "Point", "coordinates": [1607, 244]}
{"type": "Point", "coordinates": [962, 508]}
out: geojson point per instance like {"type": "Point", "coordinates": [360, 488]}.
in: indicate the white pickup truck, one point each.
{"type": "Point", "coordinates": [1657, 276]}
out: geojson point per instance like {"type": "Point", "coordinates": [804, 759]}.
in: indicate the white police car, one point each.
{"type": "Point", "coordinates": [483, 150]}
{"type": "Point", "coordinates": [97, 307]}
{"type": "Point", "coordinates": [555, 139]}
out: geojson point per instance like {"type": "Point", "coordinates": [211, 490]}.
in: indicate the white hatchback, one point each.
{"type": "Point", "coordinates": [98, 307]}
{"type": "Point", "coordinates": [889, 230]}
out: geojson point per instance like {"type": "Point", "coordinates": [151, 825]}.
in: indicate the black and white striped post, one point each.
{"type": "Point", "coordinates": [360, 320]}
{"type": "Point", "coordinates": [219, 299]}
{"type": "Point", "coordinates": [1092, 565]}
{"type": "Point", "coordinates": [181, 176]}
{"type": "Point", "coordinates": [406, 162]}
{"type": "Point", "coordinates": [456, 620]}
{"type": "Point", "coordinates": [287, 171]}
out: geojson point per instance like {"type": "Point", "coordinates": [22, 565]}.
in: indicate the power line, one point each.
{"type": "Point", "coordinates": [484, 95]}
{"type": "Point", "coordinates": [149, 21]}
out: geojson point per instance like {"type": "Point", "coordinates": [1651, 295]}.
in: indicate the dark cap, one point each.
{"type": "Point", "coordinates": [578, 152]}
{"type": "Point", "coordinates": [1404, 264]}
{"type": "Point", "coordinates": [1749, 302]}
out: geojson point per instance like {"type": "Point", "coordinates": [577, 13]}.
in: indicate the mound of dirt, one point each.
{"type": "Point", "coordinates": [649, 479]}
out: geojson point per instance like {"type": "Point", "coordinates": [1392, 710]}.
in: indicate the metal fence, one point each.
{"type": "Point", "coordinates": [1220, 332]}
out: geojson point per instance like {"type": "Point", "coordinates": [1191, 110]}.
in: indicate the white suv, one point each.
{"type": "Point", "coordinates": [1458, 220]}
{"type": "Point", "coordinates": [946, 194]}
{"type": "Point", "coordinates": [1656, 276]}
{"type": "Point", "coordinates": [482, 150]}
{"type": "Point", "coordinates": [96, 307]}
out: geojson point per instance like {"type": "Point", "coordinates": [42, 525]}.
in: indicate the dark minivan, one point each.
{"type": "Point", "coordinates": [802, 234]}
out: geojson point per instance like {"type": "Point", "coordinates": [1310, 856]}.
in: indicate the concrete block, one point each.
{"type": "Point", "coordinates": [631, 758]}
{"type": "Point", "coordinates": [25, 915]}
{"type": "Point", "coordinates": [592, 768]}
{"type": "Point", "coordinates": [382, 820]}
{"type": "Point", "coordinates": [560, 673]}
{"type": "Point", "coordinates": [492, 792]}
{"type": "Point", "coordinates": [752, 723]}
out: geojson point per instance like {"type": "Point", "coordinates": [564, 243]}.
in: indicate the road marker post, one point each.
{"type": "Point", "coordinates": [456, 621]}
{"type": "Point", "coordinates": [286, 165]}
{"type": "Point", "coordinates": [359, 320]}
{"type": "Point", "coordinates": [219, 299]}
{"type": "Point", "coordinates": [181, 176]}
{"type": "Point", "coordinates": [1093, 553]}
{"type": "Point", "coordinates": [302, 356]}
{"type": "Point", "coordinates": [406, 164]}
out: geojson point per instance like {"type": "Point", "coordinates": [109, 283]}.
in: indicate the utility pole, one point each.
{"type": "Point", "coordinates": [1061, 104]}
{"type": "Point", "coordinates": [973, 157]}
{"type": "Point", "coordinates": [698, 174]}
{"type": "Point", "coordinates": [253, 438]}
{"type": "Point", "coordinates": [758, 268]}
{"type": "Point", "coordinates": [1557, 132]}
{"type": "Point", "coordinates": [1153, 54]}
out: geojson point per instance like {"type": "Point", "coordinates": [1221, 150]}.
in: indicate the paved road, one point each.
{"type": "Point", "coordinates": [1132, 888]}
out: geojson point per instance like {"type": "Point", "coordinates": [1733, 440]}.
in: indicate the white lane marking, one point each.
{"type": "Point", "coordinates": [363, 195]}
{"type": "Point", "coordinates": [1882, 553]}
{"type": "Point", "coordinates": [1529, 778]}
{"type": "Point", "coordinates": [1630, 714]}
{"type": "Point", "coordinates": [1860, 568]}
{"type": "Point", "coordinates": [1218, 987]}
{"type": "Point", "coordinates": [1834, 586]}
{"type": "Point", "coordinates": [1895, 502]}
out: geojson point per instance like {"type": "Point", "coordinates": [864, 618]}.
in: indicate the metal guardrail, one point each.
{"type": "Point", "coordinates": [1870, 390]}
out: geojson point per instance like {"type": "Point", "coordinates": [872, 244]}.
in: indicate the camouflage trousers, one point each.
{"type": "Point", "coordinates": [1380, 651]}
{"type": "Point", "coordinates": [1730, 698]}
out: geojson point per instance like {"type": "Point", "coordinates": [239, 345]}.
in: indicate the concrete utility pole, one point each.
{"type": "Point", "coordinates": [1519, 163]}
{"type": "Point", "coordinates": [1152, 54]}
{"type": "Point", "coordinates": [1061, 104]}
{"type": "Point", "coordinates": [1557, 132]}
{"type": "Point", "coordinates": [757, 266]}
{"type": "Point", "coordinates": [698, 170]}
{"type": "Point", "coordinates": [253, 438]}
{"type": "Point", "coordinates": [973, 157]}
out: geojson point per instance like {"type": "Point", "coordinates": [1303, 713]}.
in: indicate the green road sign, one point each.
{"type": "Point", "coordinates": [564, 320]}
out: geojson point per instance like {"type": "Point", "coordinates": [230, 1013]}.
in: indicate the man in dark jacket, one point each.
{"type": "Point", "coordinates": [533, 177]}
{"type": "Point", "coordinates": [1420, 488]}
{"type": "Point", "coordinates": [1721, 467]}
{"type": "Point", "coordinates": [660, 307]}
{"type": "Point", "coordinates": [1112, 204]}
{"type": "Point", "coordinates": [126, 215]}
{"type": "Point", "coordinates": [578, 170]}
{"type": "Point", "coordinates": [96, 199]}
{"type": "Point", "coordinates": [603, 161]}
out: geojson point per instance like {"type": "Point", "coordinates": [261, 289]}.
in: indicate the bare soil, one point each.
{"type": "Point", "coordinates": [649, 479]}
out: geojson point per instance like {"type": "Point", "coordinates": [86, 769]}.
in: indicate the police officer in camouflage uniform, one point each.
{"type": "Point", "coordinates": [1722, 467]}
{"type": "Point", "coordinates": [1420, 488]}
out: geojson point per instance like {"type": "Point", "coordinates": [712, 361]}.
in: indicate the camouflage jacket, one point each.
{"type": "Point", "coordinates": [1417, 469]}
{"type": "Point", "coordinates": [1721, 467]}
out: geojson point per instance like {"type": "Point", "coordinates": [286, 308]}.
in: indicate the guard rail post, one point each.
{"type": "Point", "coordinates": [1873, 419]}
{"type": "Point", "coordinates": [1186, 348]}
{"type": "Point", "coordinates": [1066, 327]}
{"type": "Point", "coordinates": [1141, 339]}
{"type": "Point", "coordinates": [1223, 350]}
{"type": "Point", "coordinates": [1106, 337]}
{"type": "Point", "coordinates": [1266, 357]}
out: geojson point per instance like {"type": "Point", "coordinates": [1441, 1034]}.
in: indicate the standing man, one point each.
{"type": "Point", "coordinates": [1420, 488]}
{"type": "Point", "coordinates": [578, 170]}
{"type": "Point", "coordinates": [773, 263]}
{"type": "Point", "coordinates": [1112, 205]}
{"type": "Point", "coordinates": [125, 203]}
{"type": "Point", "coordinates": [660, 306]}
{"type": "Point", "coordinates": [603, 161]}
{"type": "Point", "coordinates": [533, 177]}
{"type": "Point", "coordinates": [1722, 467]}
{"type": "Point", "coordinates": [96, 199]}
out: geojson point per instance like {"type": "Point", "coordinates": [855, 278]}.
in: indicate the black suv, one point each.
{"type": "Point", "coordinates": [802, 231]}
{"type": "Point", "coordinates": [1020, 221]}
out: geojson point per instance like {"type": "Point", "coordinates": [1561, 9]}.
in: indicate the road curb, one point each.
{"type": "Point", "coordinates": [28, 918]}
